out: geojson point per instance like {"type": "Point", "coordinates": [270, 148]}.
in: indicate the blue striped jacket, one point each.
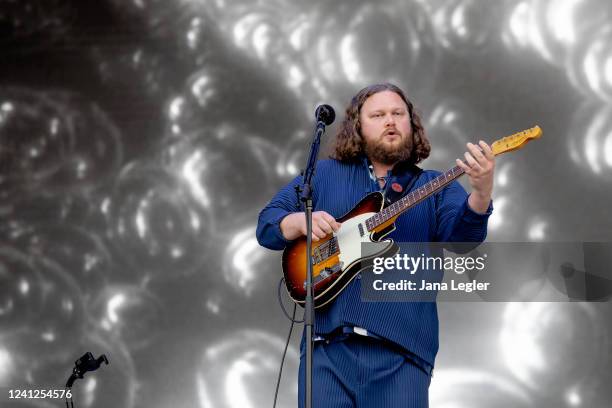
{"type": "Point", "coordinates": [443, 217]}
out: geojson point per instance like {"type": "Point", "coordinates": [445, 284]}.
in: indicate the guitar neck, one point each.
{"type": "Point", "coordinates": [390, 213]}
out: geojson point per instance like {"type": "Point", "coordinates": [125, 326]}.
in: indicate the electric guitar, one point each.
{"type": "Point", "coordinates": [338, 258]}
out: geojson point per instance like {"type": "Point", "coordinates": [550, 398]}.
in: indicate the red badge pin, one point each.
{"type": "Point", "coordinates": [397, 187]}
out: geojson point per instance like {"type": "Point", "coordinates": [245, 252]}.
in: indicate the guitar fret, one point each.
{"type": "Point", "coordinates": [413, 198]}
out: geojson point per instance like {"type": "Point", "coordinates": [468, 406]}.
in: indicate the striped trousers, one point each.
{"type": "Point", "coordinates": [362, 372]}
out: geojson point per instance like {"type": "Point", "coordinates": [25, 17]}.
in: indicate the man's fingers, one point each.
{"type": "Point", "coordinates": [331, 221]}
{"type": "Point", "coordinates": [325, 227]}
{"type": "Point", "coordinates": [486, 150]}
{"type": "Point", "coordinates": [318, 232]}
{"type": "Point", "coordinates": [464, 166]}
{"type": "Point", "coordinates": [471, 161]}
{"type": "Point", "coordinates": [476, 151]}
{"type": "Point", "coordinates": [477, 154]}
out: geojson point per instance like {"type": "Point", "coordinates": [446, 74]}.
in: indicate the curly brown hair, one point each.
{"type": "Point", "coordinates": [349, 143]}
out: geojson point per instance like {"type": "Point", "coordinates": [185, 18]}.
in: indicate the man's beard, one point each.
{"type": "Point", "coordinates": [380, 152]}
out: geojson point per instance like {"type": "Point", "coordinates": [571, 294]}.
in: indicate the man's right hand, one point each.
{"type": "Point", "coordinates": [294, 225]}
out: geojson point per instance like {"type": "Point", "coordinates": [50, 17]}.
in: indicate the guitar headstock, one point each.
{"type": "Point", "coordinates": [515, 141]}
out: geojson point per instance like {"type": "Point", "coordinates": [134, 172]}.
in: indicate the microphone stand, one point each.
{"type": "Point", "coordinates": [305, 194]}
{"type": "Point", "coordinates": [85, 363]}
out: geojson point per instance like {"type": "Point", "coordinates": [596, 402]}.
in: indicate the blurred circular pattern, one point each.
{"type": "Point", "coordinates": [39, 297]}
{"type": "Point", "coordinates": [154, 225]}
{"type": "Point", "coordinates": [61, 320]}
{"type": "Point", "coordinates": [520, 30]}
{"type": "Point", "coordinates": [589, 142]}
{"type": "Point", "coordinates": [553, 28]}
{"type": "Point", "coordinates": [224, 93]}
{"type": "Point", "coordinates": [537, 338]}
{"type": "Point", "coordinates": [77, 250]}
{"type": "Point", "coordinates": [564, 23]}
{"type": "Point", "coordinates": [131, 313]}
{"type": "Point", "coordinates": [270, 32]}
{"type": "Point", "coordinates": [234, 371]}
{"type": "Point", "coordinates": [130, 65]}
{"type": "Point", "coordinates": [20, 292]}
{"type": "Point", "coordinates": [28, 362]}
{"type": "Point", "coordinates": [33, 147]}
{"type": "Point", "coordinates": [259, 29]}
{"type": "Point", "coordinates": [35, 367]}
{"type": "Point", "coordinates": [43, 320]}
{"type": "Point", "coordinates": [46, 21]}
{"type": "Point", "coordinates": [206, 88]}
{"type": "Point", "coordinates": [56, 140]}
{"type": "Point", "coordinates": [115, 384]}
{"type": "Point", "coordinates": [313, 54]}
{"type": "Point", "coordinates": [447, 127]}
{"type": "Point", "coordinates": [465, 26]}
{"type": "Point", "coordinates": [470, 388]}
{"type": "Point", "coordinates": [538, 228]}
{"type": "Point", "coordinates": [159, 46]}
{"type": "Point", "coordinates": [293, 155]}
{"type": "Point", "coordinates": [589, 65]}
{"type": "Point", "coordinates": [517, 271]}
{"type": "Point", "coordinates": [247, 266]}
{"type": "Point", "coordinates": [226, 170]}
{"type": "Point", "coordinates": [23, 212]}
{"type": "Point", "coordinates": [196, 37]}
{"type": "Point", "coordinates": [389, 41]}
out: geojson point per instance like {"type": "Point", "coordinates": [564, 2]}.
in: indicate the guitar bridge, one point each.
{"type": "Point", "coordinates": [326, 273]}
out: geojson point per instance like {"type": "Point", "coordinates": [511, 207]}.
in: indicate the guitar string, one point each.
{"type": "Point", "coordinates": [508, 140]}
{"type": "Point", "coordinates": [412, 199]}
{"type": "Point", "coordinates": [323, 250]}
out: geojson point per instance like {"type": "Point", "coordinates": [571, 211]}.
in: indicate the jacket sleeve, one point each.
{"type": "Point", "coordinates": [456, 221]}
{"type": "Point", "coordinates": [282, 204]}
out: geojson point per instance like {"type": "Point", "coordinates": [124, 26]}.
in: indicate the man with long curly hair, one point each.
{"type": "Point", "coordinates": [379, 354]}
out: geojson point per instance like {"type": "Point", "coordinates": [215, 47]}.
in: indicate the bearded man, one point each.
{"type": "Point", "coordinates": [379, 354]}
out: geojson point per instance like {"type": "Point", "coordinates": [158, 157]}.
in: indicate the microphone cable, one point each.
{"type": "Point", "coordinates": [280, 302]}
{"type": "Point", "coordinates": [293, 321]}
{"type": "Point", "coordinates": [69, 392]}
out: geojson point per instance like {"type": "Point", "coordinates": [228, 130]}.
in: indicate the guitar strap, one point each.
{"type": "Point", "coordinates": [402, 179]}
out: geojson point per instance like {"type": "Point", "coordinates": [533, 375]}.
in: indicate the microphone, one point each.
{"type": "Point", "coordinates": [87, 362]}
{"type": "Point", "coordinates": [325, 114]}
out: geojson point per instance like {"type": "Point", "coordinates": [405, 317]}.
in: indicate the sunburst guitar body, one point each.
{"type": "Point", "coordinates": [337, 259]}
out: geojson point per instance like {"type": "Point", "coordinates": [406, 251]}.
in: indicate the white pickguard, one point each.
{"type": "Point", "coordinates": [350, 240]}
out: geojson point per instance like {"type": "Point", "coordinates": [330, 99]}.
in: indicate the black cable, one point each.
{"type": "Point", "coordinates": [280, 371]}
{"type": "Point", "coordinates": [69, 390]}
{"type": "Point", "coordinates": [280, 302]}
